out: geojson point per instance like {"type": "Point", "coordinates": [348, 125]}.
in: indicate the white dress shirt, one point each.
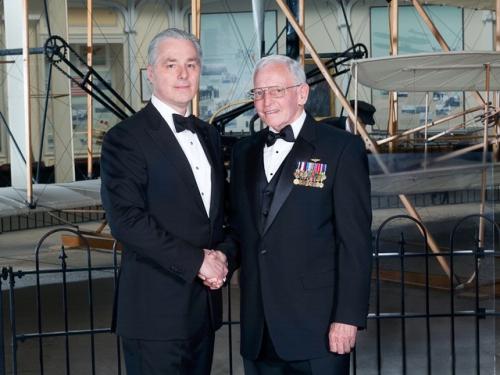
{"type": "Point", "coordinates": [193, 150]}
{"type": "Point", "coordinates": [275, 154]}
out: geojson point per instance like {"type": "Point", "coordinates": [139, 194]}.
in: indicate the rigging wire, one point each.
{"type": "Point", "coordinates": [358, 34]}
{"type": "Point", "coordinates": [275, 43]}
{"type": "Point", "coordinates": [108, 74]}
{"type": "Point", "coordinates": [446, 25]}
{"type": "Point", "coordinates": [467, 22]}
{"type": "Point", "coordinates": [44, 123]}
{"type": "Point", "coordinates": [346, 93]}
{"type": "Point", "coordinates": [239, 37]}
{"type": "Point", "coordinates": [16, 145]}
{"type": "Point", "coordinates": [13, 139]}
{"type": "Point", "coordinates": [47, 20]}
{"type": "Point", "coordinates": [322, 16]}
{"type": "Point", "coordinates": [148, 29]}
{"type": "Point", "coordinates": [134, 86]}
{"type": "Point", "coordinates": [346, 22]}
{"type": "Point", "coordinates": [47, 95]}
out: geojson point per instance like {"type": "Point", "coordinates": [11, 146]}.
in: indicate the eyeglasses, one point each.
{"type": "Point", "coordinates": [272, 91]}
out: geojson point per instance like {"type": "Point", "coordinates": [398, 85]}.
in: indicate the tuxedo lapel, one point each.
{"type": "Point", "coordinates": [302, 150]}
{"type": "Point", "coordinates": [162, 135]}
{"type": "Point", "coordinates": [211, 152]}
{"type": "Point", "coordinates": [254, 166]}
{"type": "Point", "coordinates": [208, 147]}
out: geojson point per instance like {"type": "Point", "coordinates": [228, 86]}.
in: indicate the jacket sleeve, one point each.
{"type": "Point", "coordinates": [123, 189]}
{"type": "Point", "coordinates": [353, 215]}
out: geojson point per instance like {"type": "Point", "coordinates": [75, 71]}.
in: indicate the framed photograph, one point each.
{"type": "Point", "coordinates": [321, 102]}
{"type": "Point", "coordinates": [146, 89]}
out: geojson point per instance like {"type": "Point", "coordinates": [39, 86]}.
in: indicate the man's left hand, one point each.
{"type": "Point", "coordinates": [342, 337]}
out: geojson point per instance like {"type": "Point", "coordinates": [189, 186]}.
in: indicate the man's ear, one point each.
{"type": "Point", "coordinates": [303, 93]}
{"type": "Point", "coordinates": [150, 73]}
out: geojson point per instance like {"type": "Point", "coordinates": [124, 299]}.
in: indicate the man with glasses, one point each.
{"type": "Point", "coordinates": [301, 215]}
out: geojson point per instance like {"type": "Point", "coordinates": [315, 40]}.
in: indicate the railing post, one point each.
{"type": "Point", "coordinates": [402, 268]}
{"type": "Point", "coordinates": [230, 328]}
{"type": "Point", "coordinates": [12, 312]}
{"type": "Point", "coordinates": [478, 255]}
{"type": "Point", "coordinates": [377, 304]}
{"type": "Point", "coordinates": [115, 285]}
{"type": "Point", "coordinates": [3, 276]}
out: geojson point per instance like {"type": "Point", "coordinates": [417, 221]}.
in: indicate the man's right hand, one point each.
{"type": "Point", "coordinates": [213, 270]}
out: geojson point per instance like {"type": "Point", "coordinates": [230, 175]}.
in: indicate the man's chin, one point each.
{"type": "Point", "coordinates": [276, 126]}
{"type": "Point", "coordinates": [183, 98]}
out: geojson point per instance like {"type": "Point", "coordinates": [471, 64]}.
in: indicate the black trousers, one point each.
{"type": "Point", "coordinates": [173, 357]}
{"type": "Point", "coordinates": [333, 364]}
{"type": "Point", "coordinates": [269, 363]}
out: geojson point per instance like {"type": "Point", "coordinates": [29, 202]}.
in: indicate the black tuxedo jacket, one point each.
{"type": "Point", "coordinates": [155, 210]}
{"type": "Point", "coordinates": [309, 265]}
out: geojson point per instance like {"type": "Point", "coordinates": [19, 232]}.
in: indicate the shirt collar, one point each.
{"type": "Point", "coordinates": [166, 111]}
{"type": "Point", "coordinates": [296, 125]}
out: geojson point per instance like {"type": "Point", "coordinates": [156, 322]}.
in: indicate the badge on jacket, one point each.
{"type": "Point", "coordinates": [310, 173]}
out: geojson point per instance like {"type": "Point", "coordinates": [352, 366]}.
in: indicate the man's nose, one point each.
{"type": "Point", "coordinates": [266, 98]}
{"type": "Point", "coordinates": [182, 73]}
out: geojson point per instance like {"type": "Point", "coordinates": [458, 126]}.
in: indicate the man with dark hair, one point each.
{"type": "Point", "coordinates": [301, 216]}
{"type": "Point", "coordinates": [162, 189]}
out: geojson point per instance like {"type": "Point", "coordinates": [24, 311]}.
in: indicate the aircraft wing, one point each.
{"type": "Point", "coordinates": [435, 180]}
{"type": "Point", "coordinates": [471, 4]}
{"type": "Point", "coordinates": [50, 197]}
{"type": "Point", "coordinates": [439, 71]}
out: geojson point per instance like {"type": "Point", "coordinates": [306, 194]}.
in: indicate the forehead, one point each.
{"type": "Point", "coordinates": [176, 49]}
{"type": "Point", "coordinates": [273, 75]}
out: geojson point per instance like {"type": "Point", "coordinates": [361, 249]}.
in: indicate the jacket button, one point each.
{"type": "Point", "coordinates": [263, 252]}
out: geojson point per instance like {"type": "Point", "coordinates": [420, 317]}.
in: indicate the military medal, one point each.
{"type": "Point", "coordinates": [311, 174]}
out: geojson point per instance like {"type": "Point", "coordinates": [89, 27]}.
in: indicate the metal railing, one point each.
{"type": "Point", "coordinates": [66, 333]}
{"type": "Point", "coordinates": [455, 285]}
{"type": "Point", "coordinates": [49, 218]}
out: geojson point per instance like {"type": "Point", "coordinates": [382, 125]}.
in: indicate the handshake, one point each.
{"type": "Point", "coordinates": [213, 270]}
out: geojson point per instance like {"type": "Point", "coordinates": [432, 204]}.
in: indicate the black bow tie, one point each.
{"type": "Point", "coordinates": [184, 123]}
{"type": "Point", "coordinates": [285, 134]}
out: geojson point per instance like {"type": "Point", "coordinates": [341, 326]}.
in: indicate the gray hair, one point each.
{"type": "Point", "coordinates": [171, 33]}
{"type": "Point", "coordinates": [293, 66]}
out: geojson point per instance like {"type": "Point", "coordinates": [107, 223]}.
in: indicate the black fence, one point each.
{"type": "Point", "coordinates": [40, 219]}
{"type": "Point", "coordinates": [422, 319]}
